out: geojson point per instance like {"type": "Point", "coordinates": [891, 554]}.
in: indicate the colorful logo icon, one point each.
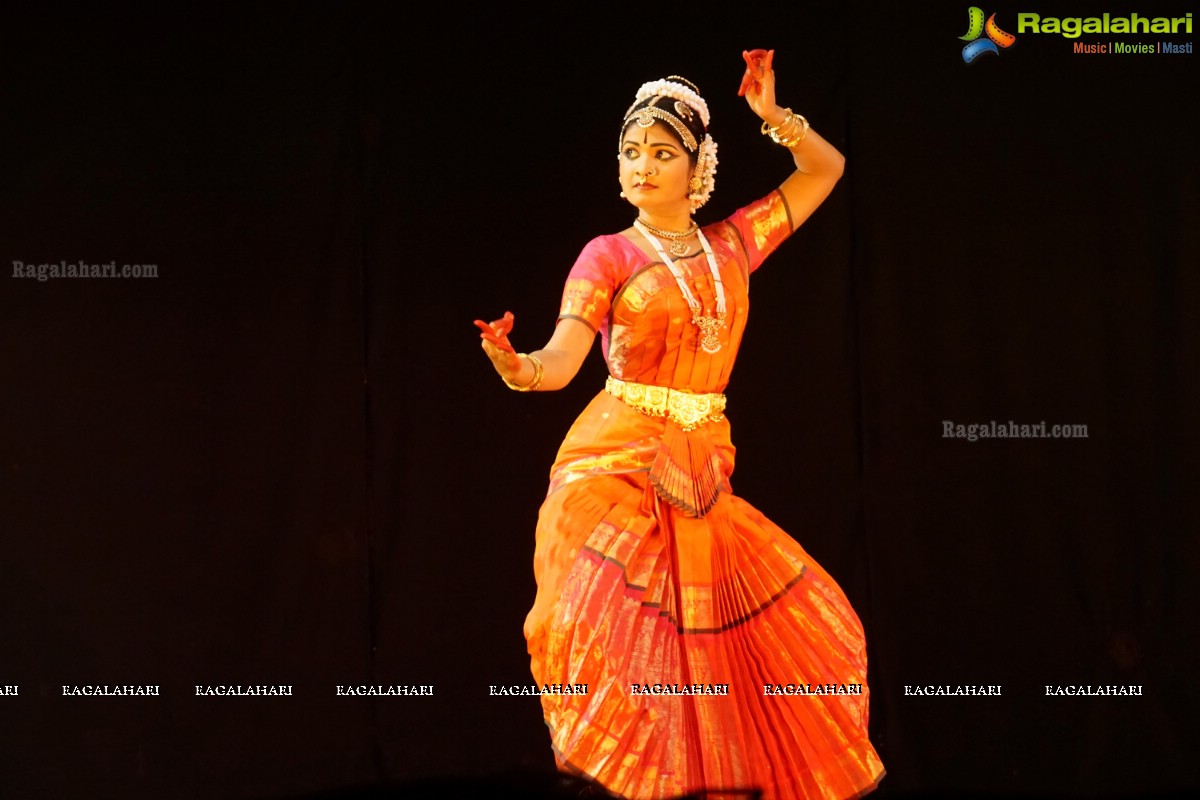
{"type": "Point", "coordinates": [996, 38]}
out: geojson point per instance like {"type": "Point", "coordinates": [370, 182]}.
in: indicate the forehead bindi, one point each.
{"type": "Point", "coordinates": [661, 138]}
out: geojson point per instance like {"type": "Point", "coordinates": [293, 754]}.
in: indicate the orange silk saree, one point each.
{"type": "Point", "coordinates": [717, 655]}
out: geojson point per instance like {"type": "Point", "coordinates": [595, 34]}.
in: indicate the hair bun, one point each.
{"type": "Point", "coordinates": [683, 80]}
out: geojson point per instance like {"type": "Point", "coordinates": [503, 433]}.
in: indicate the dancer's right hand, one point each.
{"type": "Point", "coordinates": [494, 336]}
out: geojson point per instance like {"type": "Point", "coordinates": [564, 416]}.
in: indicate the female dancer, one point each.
{"type": "Point", "coordinates": [716, 654]}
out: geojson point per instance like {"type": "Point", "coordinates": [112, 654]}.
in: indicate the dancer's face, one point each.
{"type": "Point", "coordinates": [655, 167]}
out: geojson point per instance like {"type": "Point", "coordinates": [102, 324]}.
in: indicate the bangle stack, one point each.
{"type": "Point", "coordinates": [537, 375]}
{"type": "Point", "coordinates": [788, 133]}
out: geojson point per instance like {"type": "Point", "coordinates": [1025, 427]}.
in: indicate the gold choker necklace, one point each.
{"type": "Point", "coordinates": [678, 238]}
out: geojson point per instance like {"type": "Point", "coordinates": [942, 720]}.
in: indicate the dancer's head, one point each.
{"type": "Point", "coordinates": [668, 121]}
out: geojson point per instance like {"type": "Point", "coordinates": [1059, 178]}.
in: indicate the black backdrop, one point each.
{"type": "Point", "coordinates": [285, 461]}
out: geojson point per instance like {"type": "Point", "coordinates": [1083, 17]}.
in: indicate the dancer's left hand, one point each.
{"type": "Point", "coordinates": [758, 84]}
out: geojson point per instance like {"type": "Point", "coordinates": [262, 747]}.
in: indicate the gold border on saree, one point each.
{"type": "Point", "coordinates": [687, 410]}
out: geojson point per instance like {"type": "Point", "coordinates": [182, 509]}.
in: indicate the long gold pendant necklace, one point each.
{"type": "Point", "coordinates": [709, 324]}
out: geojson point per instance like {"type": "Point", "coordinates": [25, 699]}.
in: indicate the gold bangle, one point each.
{"type": "Point", "coordinates": [785, 132]}
{"type": "Point", "coordinates": [538, 369]}
{"type": "Point", "coordinates": [789, 121]}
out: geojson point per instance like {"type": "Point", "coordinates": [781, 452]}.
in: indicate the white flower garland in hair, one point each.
{"type": "Point", "coordinates": [706, 172]}
{"type": "Point", "coordinates": [676, 91]}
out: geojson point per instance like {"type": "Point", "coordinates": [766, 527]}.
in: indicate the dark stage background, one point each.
{"type": "Point", "coordinates": [284, 460]}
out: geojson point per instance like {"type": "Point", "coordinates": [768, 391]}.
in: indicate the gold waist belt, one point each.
{"type": "Point", "coordinates": [686, 409]}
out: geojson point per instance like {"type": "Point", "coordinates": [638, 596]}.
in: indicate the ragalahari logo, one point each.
{"type": "Point", "coordinates": [996, 38]}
